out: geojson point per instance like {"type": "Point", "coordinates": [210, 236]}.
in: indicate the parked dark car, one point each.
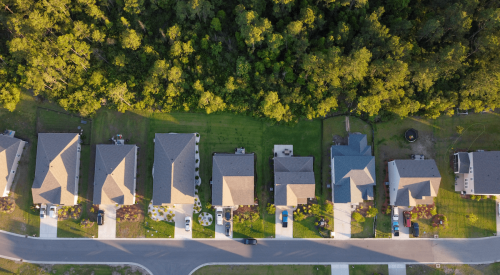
{"type": "Point", "coordinates": [250, 241]}
{"type": "Point", "coordinates": [228, 214]}
{"type": "Point", "coordinates": [416, 231]}
{"type": "Point", "coordinates": [228, 229]}
{"type": "Point", "coordinates": [100, 217]}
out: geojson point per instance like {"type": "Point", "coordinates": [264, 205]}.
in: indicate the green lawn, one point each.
{"type": "Point", "coordinates": [362, 229]}
{"type": "Point", "coordinates": [368, 269]}
{"type": "Point", "coordinates": [159, 229]}
{"type": "Point", "coordinates": [62, 122]}
{"type": "Point", "coordinates": [200, 231]}
{"type": "Point", "coordinates": [307, 227]}
{"type": "Point", "coordinates": [485, 269]}
{"type": "Point", "coordinates": [438, 139]}
{"type": "Point", "coordinates": [265, 269]}
{"type": "Point", "coordinates": [11, 267]}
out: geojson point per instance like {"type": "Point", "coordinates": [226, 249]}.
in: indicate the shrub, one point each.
{"type": "Point", "coordinates": [118, 219]}
{"type": "Point", "coordinates": [434, 211]}
{"type": "Point", "coordinates": [236, 219]}
{"type": "Point", "coordinates": [316, 223]}
{"type": "Point", "coordinates": [209, 219]}
{"type": "Point", "coordinates": [478, 198]}
{"type": "Point", "coordinates": [414, 216]}
{"type": "Point", "coordinates": [388, 211]}
{"type": "Point", "coordinates": [444, 218]}
{"type": "Point", "coordinates": [484, 197]}
{"type": "Point", "coordinates": [472, 197]}
{"type": "Point", "coordinates": [358, 217]}
{"type": "Point", "coordinates": [299, 216]}
{"type": "Point", "coordinates": [473, 218]}
{"type": "Point", "coordinates": [197, 135]}
{"type": "Point", "coordinates": [208, 205]}
{"type": "Point", "coordinates": [328, 207]}
{"type": "Point", "coordinates": [314, 209]}
{"type": "Point", "coordinates": [459, 129]}
{"type": "Point", "coordinates": [254, 217]}
{"type": "Point", "coordinates": [197, 177]}
{"type": "Point", "coordinates": [271, 209]}
{"type": "Point", "coordinates": [196, 169]}
{"type": "Point", "coordinates": [196, 152]}
{"type": "Point", "coordinates": [197, 160]}
{"type": "Point", "coordinates": [372, 212]}
{"type": "Point", "coordinates": [493, 197]}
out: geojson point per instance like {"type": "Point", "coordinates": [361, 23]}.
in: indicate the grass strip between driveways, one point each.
{"type": "Point", "coordinates": [264, 269]}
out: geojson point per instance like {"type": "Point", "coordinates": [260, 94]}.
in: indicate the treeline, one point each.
{"type": "Point", "coordinates": [280, 59]}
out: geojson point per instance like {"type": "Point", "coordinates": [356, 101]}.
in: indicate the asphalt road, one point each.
{"type": "Point", "coordinates": [182, 256]}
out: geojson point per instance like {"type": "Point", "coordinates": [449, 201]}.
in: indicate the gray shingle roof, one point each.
{"type": "Point", "coordinates": [419, 182]}
{"type": "Point", "coordinates": [8, 151]}
{"type": "Point", "coordinates": [293, 180]}
{"type": "Point", "coordinates": [464, 162]}
{"type": "Point", "coordinates": [233, 179]}
{"type": "Point", "coordinates": [354, 170]}
{"type": "Point", "coordinates": [114, 178]}
{"type": "Point", "coordinates": [56, 170]}
{"type": "Point", "coordinates": [357, 146]}
{"type": "Point", "coordinates": [486, 172]}
{"type": "Point", "coordinates": [173, 181]}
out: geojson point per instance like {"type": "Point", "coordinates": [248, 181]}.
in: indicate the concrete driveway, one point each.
{"type": "Point", "coordinates": [108, 229]}
{"type": "Point", "coordinates": [48, 226]}
{"type": "Point", "coordinates": [281, 232]}
{"type": "Point", "coordinates": [342, 220]}
{"type": "Point", "coordinates": [220, 230]}
{"type": "Point", "coordinates": [181, 212]}
{"type": "Point", "coordinates": [404, 232]}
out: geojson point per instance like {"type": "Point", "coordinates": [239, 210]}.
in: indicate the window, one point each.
{"type": "Point", "coordinates": [471, 178]}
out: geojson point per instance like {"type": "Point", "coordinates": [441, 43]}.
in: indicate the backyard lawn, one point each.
{"type": "Point", "coordinates": [264, 269]}
{"type": "Point", "coordinates": [438, 139]}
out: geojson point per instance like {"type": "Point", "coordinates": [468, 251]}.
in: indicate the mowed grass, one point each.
{"type": "Point", "coordinates": [159, 229]}
{"type": "Point", "coordinates": [485, 269]}
{"type": "Point", "coordinates": [133, 126]}
{"type": "Point", "coordinates": [368, 269]}
{"type": "Point", "coordinates": [62, 122]}
{"type": "Point", "coordinates": [307, 227]}
{"type": "Point", "coordinates": [362, 229]}
{"type": "Point", "coordinates": [264, 269]}
{"type": "Point", "coordinates": [12, 267]}
{"type": "Point", "coordinates": [438, 139]}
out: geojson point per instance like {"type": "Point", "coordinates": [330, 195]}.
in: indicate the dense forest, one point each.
{"type": "Point", "coordinates": [279, 59]}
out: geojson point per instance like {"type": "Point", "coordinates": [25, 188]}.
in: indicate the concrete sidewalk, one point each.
{"type": "Point", "coordinates": [340, 269]}
{"type": "Point", "coordinates": [397, 269]}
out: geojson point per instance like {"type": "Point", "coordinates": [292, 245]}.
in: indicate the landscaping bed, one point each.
{"type": "Point", "coordinates": [129, 213]}
{"type": "Point", "coordinates": [7, 204]}
{"type": "Point", "coordinates": [362, 224]}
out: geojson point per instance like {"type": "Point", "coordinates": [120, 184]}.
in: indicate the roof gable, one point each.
{"type": "Point", "coordinates": [174, 178]}
{"type": "Point", "coordinates": [114, 177]}
{"type": "Point", "coordinates": [56, 168]}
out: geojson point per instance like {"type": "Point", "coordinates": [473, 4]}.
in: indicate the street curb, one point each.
{"type": "Point", "coordinates": [240, 239]}
{"type": "Point", "coordinates": [77, 263]}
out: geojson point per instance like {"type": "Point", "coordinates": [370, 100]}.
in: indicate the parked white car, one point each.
{"type": "Point", "coordinates": [395, 213]}
{"type": "Point", "coordinates": [188, 223]}
{"type": "Point", "coordinates": [53, 211]}
{"type": "Point", "coordinates": [218, 214]}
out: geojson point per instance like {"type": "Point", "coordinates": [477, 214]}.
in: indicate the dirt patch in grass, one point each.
{"type": "Point", "coordinates": [129, 213]}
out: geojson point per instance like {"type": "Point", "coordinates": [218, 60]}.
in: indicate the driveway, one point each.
{"type": "Point", "coordinates": [281, 232]}
{"type": "Point", "coordinates": [181, 212]}
{"type": "Point", "coordinates": [404, 232]}
{"type": "Point", "coordinates": [48, 226]}
{"type": "Point", "coordinates": [108, 229]}
{"type": "Point", "coordinates": [342, 220]}
{"type": "Point", "coordinates": [220, 230]}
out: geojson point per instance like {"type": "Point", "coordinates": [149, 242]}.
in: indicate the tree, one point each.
{"type": "Point", "coordinates": [271, 209]}
{"type": "Point", "coordinates": [131, 40]}
{"type": "Point", "coordinates": [215, 24]}
{"type": "Point", "coordinates": [272, 108]}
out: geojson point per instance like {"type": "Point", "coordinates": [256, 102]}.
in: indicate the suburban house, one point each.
{"type": "Point", "coordinates": [293, 177]}
{"type": "Point", "coordinates": [353, 171]}
{"type": "Point", "coordinates": [174, 169]}
{"type": "Point", "coordinates": [115, 173]}
{"type": "Point", "coordinates": [233, 179]}
{"type": "Point", "coordinates": [413, 182]}
{"type": "Point", "coordinates": [477, 173]}
{"type": "Point", "coordinates": [57, 169]}
{"type": "Point", "coordinates": [11, 150]}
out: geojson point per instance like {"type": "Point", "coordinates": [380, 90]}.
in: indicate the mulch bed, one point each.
{"type": "Point", "coordinates": [69, 212]}
{"type": "Point", "coordinates": [423, 211]}
{"type": "Point", "coordinates": [366, 205]}
{"type": "Point", "coordinates": [385, 205]}
{"type": "Point", "coordinates": [129, 213]}
{"type": "Point", "coordinates": [245, 209]}
{"type": "Point", "coordinates": [7, 204]}
{"type": "Point", "coordinates": [437, 219]}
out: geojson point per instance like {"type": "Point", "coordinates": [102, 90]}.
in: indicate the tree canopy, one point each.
{"type": "Point", "coordinates": [280, 59]}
